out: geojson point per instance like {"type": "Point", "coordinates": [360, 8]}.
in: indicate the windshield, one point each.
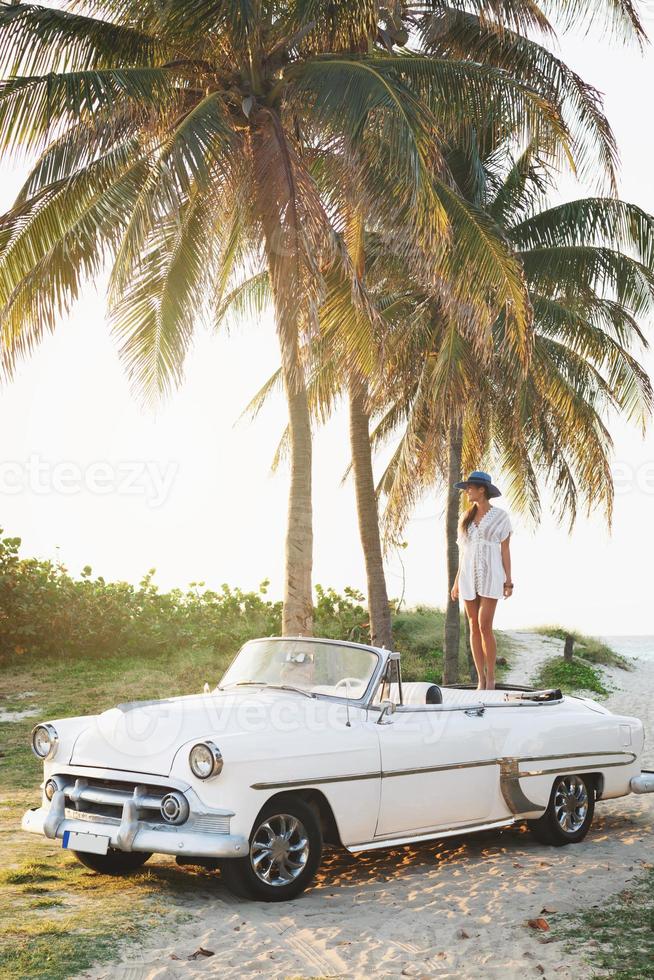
{"type": "Point", "coordinates": [317, 668]}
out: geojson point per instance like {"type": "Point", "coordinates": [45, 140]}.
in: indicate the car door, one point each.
{"type": "Point", "coordinates": [438, 769]}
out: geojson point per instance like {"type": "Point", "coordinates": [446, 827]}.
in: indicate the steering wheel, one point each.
{"type": "Point", "coordinates": [344, 681]}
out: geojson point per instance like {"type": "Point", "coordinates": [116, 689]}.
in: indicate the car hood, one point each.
{"type": "Point", "coordinates": [145, 736]}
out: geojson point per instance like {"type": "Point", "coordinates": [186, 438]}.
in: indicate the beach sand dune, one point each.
{"type": "Point", "coordinates": [455, 908]}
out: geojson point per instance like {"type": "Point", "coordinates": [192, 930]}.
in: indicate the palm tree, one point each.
{"type": "Point", "coordinates": [447, 32]}
{"type": "Point", "coordinates": [589, 266]}
{"type": "Point", "coordinates": [183, 143]}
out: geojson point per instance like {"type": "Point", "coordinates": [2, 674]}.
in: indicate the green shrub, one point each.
{"type": "Point", "coordinates": [588, 647]}
{"type": "Point", "coordinates": [341, 617]}
{"type": "Point", "coordinates": [571, 676]}
{"type": "Point", "coordinates": [45, 611]}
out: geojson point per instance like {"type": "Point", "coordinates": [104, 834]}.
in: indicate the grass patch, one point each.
{"type": "Point", "coordinates": [587, 647]}
{"type": "Point", "coordinates": [624, 931]}
{"type": "Point", "coordinates": [65, 687]}
{"type": "Point", "coordinates": [74, 918]}
{"type": "Point", "coordinates": [571, 676]}
{"type": "Point", "coordinates": [30, 874]}
{"type": "Point", "coordinates": [418, 635]}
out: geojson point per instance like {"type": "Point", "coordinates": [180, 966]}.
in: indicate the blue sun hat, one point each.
{"type": "Point", "coordinates": [479, 479]}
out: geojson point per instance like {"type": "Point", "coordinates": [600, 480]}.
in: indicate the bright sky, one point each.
{"type": "Point", "coordinates": [86, 474]}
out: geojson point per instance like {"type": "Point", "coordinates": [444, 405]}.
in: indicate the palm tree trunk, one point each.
{"type": "Point", "coordinates": [452, 637]}
{"type": "Point", "coordinates": [381, 633]}
{"type": "Point", "coordinates": [297, 614]}
{"type": "Point", "coordinates": [297, 610]}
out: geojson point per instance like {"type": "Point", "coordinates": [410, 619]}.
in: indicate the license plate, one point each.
{"type": "Point", "coordinates": [91, 843]}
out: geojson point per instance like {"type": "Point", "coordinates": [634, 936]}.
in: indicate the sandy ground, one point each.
{"type": "Point", "coordinates": [455, 908]}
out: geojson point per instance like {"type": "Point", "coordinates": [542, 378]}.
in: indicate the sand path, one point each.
{"type": "Point", "coordinates": [455, 908]}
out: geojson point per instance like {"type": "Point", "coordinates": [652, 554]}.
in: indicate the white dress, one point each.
{"type": "Point", "coordinates": [480, 568]}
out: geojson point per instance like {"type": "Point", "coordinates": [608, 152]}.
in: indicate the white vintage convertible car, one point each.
{"type": "Point", "coordinates": [306, 741]}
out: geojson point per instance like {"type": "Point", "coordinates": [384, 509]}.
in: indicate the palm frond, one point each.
{"type": "Point", "coordinates": [465, 38]}
{"type": "Point", "coordinates": [274, 384]}
{"type": "Point", "coordinates": [33, 228]}
{"type": "Point", "coordinates": [520, 189]}
{"type": "Point", "coordinates": [41, 281]}
{"type": "Point", "coordinates": [35, 40]}
{"type": "Point", "coordinates": [569, 270]}
{"type": "Point", "coordinates": [200, 151]}
{"type": "Point", "coordinates": [620, 18]}
{"type": "Point", "coordinates": [155, 314]}
{"type": "Point", "coordinates": [36, 108]}
{"type": "Point", "coordinates": [524, 16]}
{"type": "Point", "coordinates": [245, 302]}
{"type": "Point", "coordinates": [589, 221]}
{"type": "Point", "coordinates": [79, 147]}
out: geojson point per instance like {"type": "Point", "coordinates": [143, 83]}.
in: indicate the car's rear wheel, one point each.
{"type": "Point", "coordinates": [113, 862]}
{"type": "Point", "coordinates": [569, 813]}
{"type": "Point", "coordinates": [285, 852]}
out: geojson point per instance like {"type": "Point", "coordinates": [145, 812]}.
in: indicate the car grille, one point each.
{"type": "Point", "coordinates": [102, 800]}
{"type": "Point", "coordinates": [212, 823]}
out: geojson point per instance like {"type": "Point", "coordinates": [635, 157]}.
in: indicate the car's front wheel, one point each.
{"type": "Point", "coordinates": [285, 852]}
{"type": "Point", "coordinates": [569, 813]}
{"type": "Point", "coordinates": [113, 862]}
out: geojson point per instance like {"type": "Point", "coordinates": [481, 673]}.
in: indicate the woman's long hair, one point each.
{"type": "Point", "coordinates": [469, 514]}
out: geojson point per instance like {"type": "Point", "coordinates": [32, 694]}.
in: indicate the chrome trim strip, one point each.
{"type": "Point", "coordinates": [510, 775]}
{"type": "Point", "coordinates": [580, 767]}
{"type": "Point", "coordinates": [383, 774]}
{"type": "Point", "coordinates": [508, 770]}
{"type": "Point", "coordinates": [294, 783]}
{"type": "Point", "coordinates": [455, 765]}
{"type": "Point", "coordinates": [571, 755]}
{"type": "Point", "coordinates": [431, 835]}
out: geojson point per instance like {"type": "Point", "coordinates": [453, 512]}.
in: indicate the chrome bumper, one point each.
{"type": "Point", "coordinates": [643, 783]}
{"type": "Point", "coordinates": [131, 834]}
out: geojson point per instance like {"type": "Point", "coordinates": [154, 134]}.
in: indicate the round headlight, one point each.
{"type": "Point", "coordinates": [44, 741]}
{"type": "Point", "coordinates": [205, 760]}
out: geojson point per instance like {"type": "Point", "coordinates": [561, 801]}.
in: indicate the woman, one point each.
{"type": "Point", "coordinates": [484, 573]}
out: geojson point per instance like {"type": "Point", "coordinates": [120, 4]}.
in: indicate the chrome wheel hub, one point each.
{"type": "Point", "coordinates": [570, 803]}
{"type": "Point", "coordinates": [279, 849]}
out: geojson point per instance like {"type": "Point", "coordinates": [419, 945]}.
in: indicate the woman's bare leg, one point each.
{"type": "Point", "coordinates": [485, 619]}
{"type": "Point", "coordinates": [472, 612]}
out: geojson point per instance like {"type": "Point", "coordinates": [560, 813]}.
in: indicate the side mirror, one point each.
{"type": "Point", "coordinates": [387, 708]}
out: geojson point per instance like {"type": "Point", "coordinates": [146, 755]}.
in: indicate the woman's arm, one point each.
{"type": "Point", "coordinates": [506, 563]}
{"type": "Point", "coordinates": [454, 594]}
